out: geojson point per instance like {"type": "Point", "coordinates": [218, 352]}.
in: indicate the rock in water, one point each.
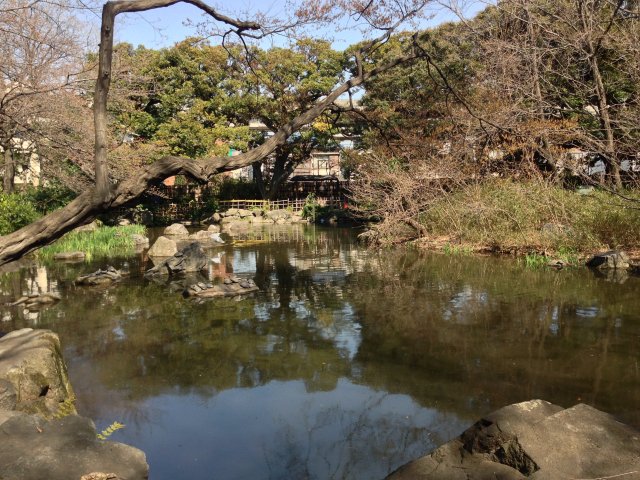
{"type": "Point", "coordinates": [163, 247]}
{"type": "Point", "coordinates": [176, 230]}
{"type": "Point", "coordinates": [231, 287]}
{"type": "Point", "coordinates": [100, 277]}
{"type": "Point", "coordinates": [189, 259]}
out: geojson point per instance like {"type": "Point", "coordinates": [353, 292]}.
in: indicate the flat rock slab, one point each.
{"type": "Point", "coordinates": [231, 287]}
{"type": "Point", "coordinates": [37, 301]}
{"type": "Point", "coordinates": [100, 277]}
{"type": "Point", "coordinates": [63, 449]}
{"type": "Point", "coordinates": [32, 372]}
{"type": "Point", "coordinates": [534, 440]}
{"type": "Point", "coordinates": [70, 256]}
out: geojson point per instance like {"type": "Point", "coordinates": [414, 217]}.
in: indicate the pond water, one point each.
{"type": "Point", "coordinates": [345, 365]}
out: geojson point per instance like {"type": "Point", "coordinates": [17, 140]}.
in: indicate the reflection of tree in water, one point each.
{"type": "Point", "coordinates": [482, 333]}
{"type": "Point", "coordinates": [334, 441]}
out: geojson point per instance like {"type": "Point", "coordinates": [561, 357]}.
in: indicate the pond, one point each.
{"type": "Point", "coordinates": [345, 365]}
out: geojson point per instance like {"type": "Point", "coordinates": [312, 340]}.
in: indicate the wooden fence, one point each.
{"type": "Point", "coordinates": [188, 202]}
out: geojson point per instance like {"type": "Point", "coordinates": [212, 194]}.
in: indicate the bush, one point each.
{"type": "Point", "coordinates": [16, 211]}
{"type": "Point", "coordinates": [50, 197]}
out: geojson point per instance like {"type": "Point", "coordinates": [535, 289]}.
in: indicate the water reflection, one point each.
{"type": "Point", "coordinates": [345, 365]}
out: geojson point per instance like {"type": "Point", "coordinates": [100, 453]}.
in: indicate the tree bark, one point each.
{"type": "Point", "coordinates": [9, 170]}
{"type": "Point", "coordinates": [592, 49]}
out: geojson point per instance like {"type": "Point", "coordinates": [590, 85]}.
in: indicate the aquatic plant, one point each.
{"type": "Point", "coordinates": [110, 430]}
{"type": "Point", "coordinates": [451, 249]}
{"type": "Point", "coordinates": [535, 260]}
{"type": "Point", "coordinates": [102, 242]}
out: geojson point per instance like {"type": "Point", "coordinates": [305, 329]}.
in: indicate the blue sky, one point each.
{"type": "Point", "coordinates": [166, 26]}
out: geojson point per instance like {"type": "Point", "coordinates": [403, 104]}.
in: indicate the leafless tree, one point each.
{"type": "Point", "coordinates": [42, 52]}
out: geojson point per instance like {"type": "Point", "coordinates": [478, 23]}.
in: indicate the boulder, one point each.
{"type": "Point", "coordinates": [216, 217]}
{"type": "Point", "coordinates": [206, 236]}
{"type": "Point", "coordinates": [33, 373]}
{"type": "Point", "coordinates": [176, 230]}
{"type": "Point", "coordinates": [231, 287]}
{"type": "Point", "coordinates": [244, 213]}
{"type": "Point", "coordinates": [139, 239]}
{"type": "Point", "coordinates": [534, 440]}
{"type": "Point", "coordinates": [100, 277]}
{"type": "Point", "coordinates": [214, 229]}
{"type": "Point", "coordinates": [613, 259]}
{"type": "Point", "coordinates": [189, 259]}
{"type": "Point", "coordinates": [278, 214]}
{"type": "Point", "coordinates": [69, 256]}
{"type": "Point", "coordinates": [163, 247]}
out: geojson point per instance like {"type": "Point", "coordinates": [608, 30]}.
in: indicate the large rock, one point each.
{"type": "Point", "coordinates": [242, 213]}
{"type": "Point", "coordinates": [62, 449]}
{"type": "Point", "coordinates": [163, 247]}
{"type": "Point", "coordinates": [534, 440]}
{"type": "Point", "coordinates": [176, 230]}
{"type": "Point", "coordinates": [33, 372]}
{"type": "Point", "coordinates": [276, 215]}
{"type": "Point", "coordinates": [613, 259]}
{"type": "Point", "coordinates": [189, 259]}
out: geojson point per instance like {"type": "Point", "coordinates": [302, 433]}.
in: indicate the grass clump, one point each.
{"type": "Point", "coordinates": [450, 249]}
{"type": "Point", "coordinates": [533, 216]}
{"type": "Point", "coordinates": [102, 242]}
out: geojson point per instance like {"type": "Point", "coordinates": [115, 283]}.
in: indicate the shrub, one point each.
{"type": "Point", "coordinates": [16, 211]}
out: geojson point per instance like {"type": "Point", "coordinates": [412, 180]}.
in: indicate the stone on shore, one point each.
{"type": "Point", "coordinates": [613, 259]}
{"type": "Point", "coordinates": [163, 247]}
{"type": "Point", "coordinates": [534, 440]}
